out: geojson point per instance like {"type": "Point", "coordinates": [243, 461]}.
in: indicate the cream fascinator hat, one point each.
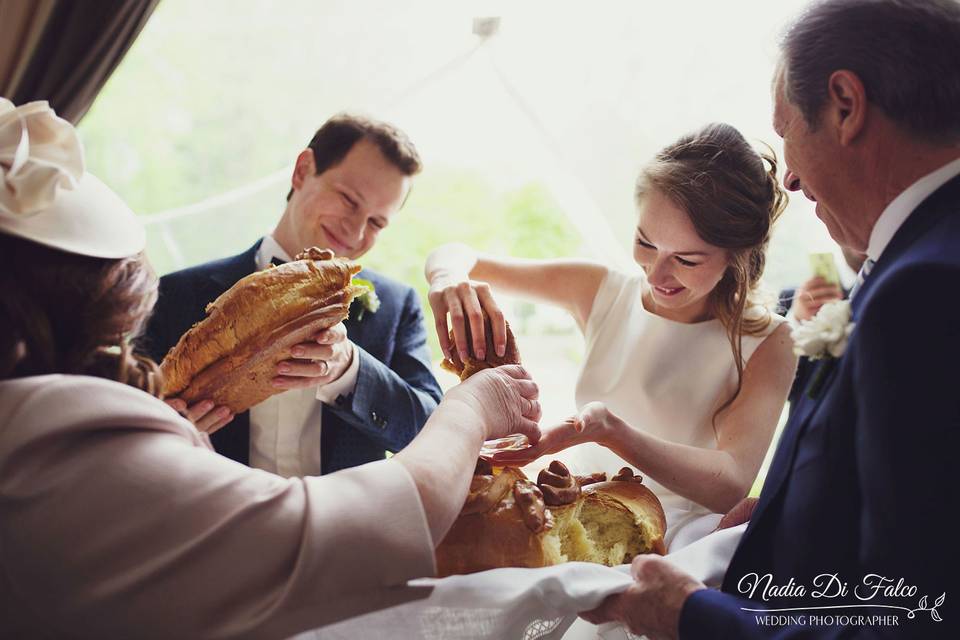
{"type": "Point", "coordinates": [45, 195]}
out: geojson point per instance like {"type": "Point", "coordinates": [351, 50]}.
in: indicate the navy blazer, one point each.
{"type": "Point", "coordinates": [863, 480]}
{"type": "Point", "coordinates": [395, 392]}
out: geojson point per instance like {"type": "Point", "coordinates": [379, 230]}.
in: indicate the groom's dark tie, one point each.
{"type": "Point", "coordinates": [275, 261]}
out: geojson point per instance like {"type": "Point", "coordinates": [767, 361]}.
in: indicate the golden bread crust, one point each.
{"type": "Point", "coordinates": [499, 537]}
{"type": "Point", "coordinates": [231, 355]}
{"type": "Point", "coordinates": [465, 369]}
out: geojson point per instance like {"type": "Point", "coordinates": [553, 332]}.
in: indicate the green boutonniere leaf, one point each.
{"type": "Point", "coordinates": [368, 301]}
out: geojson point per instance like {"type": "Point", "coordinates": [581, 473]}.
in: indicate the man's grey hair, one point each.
{"type": "Point", "coordinates": [906, 53]}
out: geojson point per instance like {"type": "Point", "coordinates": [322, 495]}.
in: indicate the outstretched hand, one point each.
{"type": "Point", "coordinates": [591, 424]}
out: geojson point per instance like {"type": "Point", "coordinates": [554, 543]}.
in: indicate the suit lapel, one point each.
{"type": "Point", "coordinates": [787, 446]}
{"type": "Point", "coordinates": [237, 267]}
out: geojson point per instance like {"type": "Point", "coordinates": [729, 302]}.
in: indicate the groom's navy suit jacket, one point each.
{"type": "Point", "coordinates": [395, 391]}
{"type": "Point", "coordinates": [864, 480]}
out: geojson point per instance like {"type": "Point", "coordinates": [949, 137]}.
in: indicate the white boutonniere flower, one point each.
{"type": "Point", "coordinates": [369, 302]}
{"type": "Point", "coordinates": [824, 337]}
{"type": "Point", "coordinates": [826, 334]}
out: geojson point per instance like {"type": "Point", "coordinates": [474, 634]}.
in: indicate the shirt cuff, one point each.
{"type": "Point", "coordinates": [342, 386]}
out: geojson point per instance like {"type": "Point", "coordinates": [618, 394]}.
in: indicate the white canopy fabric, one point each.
{"type": "Point", "coordinates": [575, 96]}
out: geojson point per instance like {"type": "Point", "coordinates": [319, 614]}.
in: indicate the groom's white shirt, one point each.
{"type": "Point", "coordinates": [285, 429]}
{"type": "Point", "coordinates": [904, 204]}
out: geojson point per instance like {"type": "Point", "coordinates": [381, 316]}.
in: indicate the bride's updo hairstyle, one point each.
{"type": "Point", "coordinates": [733, 197]}
{"type": "Point", "coordinates": [66, 313]}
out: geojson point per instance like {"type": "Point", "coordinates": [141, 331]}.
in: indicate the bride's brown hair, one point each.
{"type": "Point", "coordinates": [733, 197]}
{"type": "Point", "coordinates": [65, 313]}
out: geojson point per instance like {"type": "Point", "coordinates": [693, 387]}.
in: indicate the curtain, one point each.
{"type": "Point", "coordinates": [63, 51]}
{"type": "Point", "coordinates": [21, 25]}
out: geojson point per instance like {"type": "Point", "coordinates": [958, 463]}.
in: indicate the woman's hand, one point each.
{"type": "Point", "coordinates": [204, 415]}
{"type": "Point", "coordinates": [504, 400]}
{"type": "Point", "coordinates": [466, 301]}
{"type": "Point", "coordinates": [812, 295]}
{"type": "Point", "coordinates": [594, 423]}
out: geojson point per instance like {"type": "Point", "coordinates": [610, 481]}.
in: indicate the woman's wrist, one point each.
{"type": "Point", "coordinates": [451, 261]}
{"type": "Point", "coordinates": [610, 431]}
{"type": "Point", "coordinates": [459, 412]}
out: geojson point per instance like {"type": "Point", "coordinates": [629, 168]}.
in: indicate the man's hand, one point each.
{"type": "Point", "coordinates": [651, 605]}
{"type": "Point", "coordinates": [813, 294]}
{"type": "Point", "coordinates": [204, 415]}
{"type": "Point", "coordinates": [321, 361]}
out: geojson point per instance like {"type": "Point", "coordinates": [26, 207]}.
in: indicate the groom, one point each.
{"type": "Point", "coordinates": [852, 534]}
{"type": "Point", "coordinates": [366, 385]}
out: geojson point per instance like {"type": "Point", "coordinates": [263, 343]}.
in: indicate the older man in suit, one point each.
{"type": "Point", "coordinates": [851, 536]}
{"type": "Point", "coordinates": [359, 389]}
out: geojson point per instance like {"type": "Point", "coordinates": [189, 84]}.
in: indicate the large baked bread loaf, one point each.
{"type": "Point", "coordinates": [508, 521]}
{"type": "Point", "coordinates": [231, 356]}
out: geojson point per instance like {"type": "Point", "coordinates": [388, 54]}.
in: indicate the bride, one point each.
{"type": "Point", "coordinates": [685, 373]}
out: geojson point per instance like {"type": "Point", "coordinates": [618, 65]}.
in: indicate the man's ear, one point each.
{"type": "Point", "coordinates": [303, 169]}
{"type": "Point", "coordinates": [847, 105]}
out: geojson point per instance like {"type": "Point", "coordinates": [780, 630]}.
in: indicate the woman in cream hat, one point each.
{"type": "Point", "coordinates": [117, 519]}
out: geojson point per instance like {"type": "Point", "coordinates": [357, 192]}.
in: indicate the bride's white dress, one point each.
{"type": "Point", "coordinates": [662, 376]}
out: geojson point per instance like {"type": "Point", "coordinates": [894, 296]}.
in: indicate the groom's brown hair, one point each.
{"type": "Point", "coordinates": [333, 141]}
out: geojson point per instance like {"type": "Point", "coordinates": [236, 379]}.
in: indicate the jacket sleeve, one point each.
{"type": "Point", "coordinates": [392, 401]}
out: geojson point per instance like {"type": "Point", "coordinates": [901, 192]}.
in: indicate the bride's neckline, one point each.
{"type": "Point", "coordinates": [645, 293]}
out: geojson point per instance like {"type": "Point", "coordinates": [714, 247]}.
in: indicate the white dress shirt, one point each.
{"type": "Point", "coordinates": [285, 428]}
{"type": "Point", "coordinates": [904, 204]}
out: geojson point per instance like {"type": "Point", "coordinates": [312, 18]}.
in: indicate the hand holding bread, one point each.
{"type": "Point", "coordinates": [320, 360]}
{"type": "Point", "coordinates": [205, 415]}
{"type": "Point", "coordinates": [505, 399]}
{"type": "Point", "coordinates": [232, 356]}
{"type": "Point", "coordinates": [651, 606]}
{"type": "Point", "coordinates": [476, 325]}
{"type": "Point", "coordinates": [509, 521]}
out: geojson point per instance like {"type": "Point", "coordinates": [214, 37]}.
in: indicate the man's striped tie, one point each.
{"type": "Point", "coordinates": [862, 275]}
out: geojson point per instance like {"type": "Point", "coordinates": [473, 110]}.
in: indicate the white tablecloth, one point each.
{"type": "Point", "coordinates": [524, 604]}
